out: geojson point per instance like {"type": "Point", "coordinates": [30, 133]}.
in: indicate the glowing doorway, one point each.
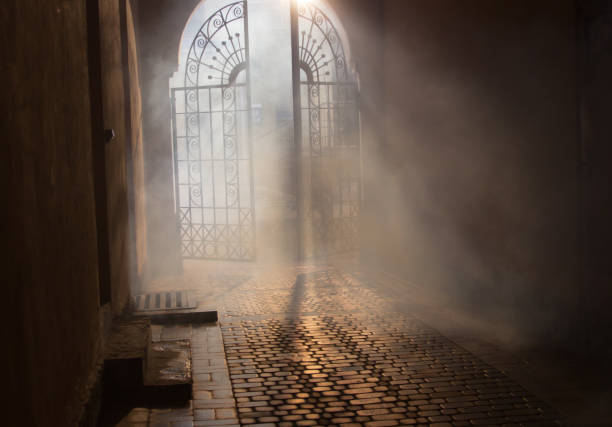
{"type": "Point", "coordinates": [211, 133]}
{"type": "Point", "coordinates": [314, 175]}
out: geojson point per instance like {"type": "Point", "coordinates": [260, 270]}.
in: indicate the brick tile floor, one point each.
{"type": "Point", "coordinates": [213, 403]}
{"type": "Point", "coordinates": [326, 350]}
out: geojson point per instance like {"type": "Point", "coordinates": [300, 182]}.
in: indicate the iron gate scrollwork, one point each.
{"type": "Point", "coordinates": [211, 135]}
{"type": "Point", "coordinates": [330, 129]}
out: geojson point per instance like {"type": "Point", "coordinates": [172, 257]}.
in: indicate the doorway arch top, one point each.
{"type": "Point", "coordinates": [324, 50]}
{"type": "Point", "coordinates": [213, 46]}
{"type": "Point", "coordinates": [211, 50]}
{"type": "Point", "coordinates": [318, 10]}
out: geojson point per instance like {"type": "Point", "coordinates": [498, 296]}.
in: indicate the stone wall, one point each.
{"type": "Point", "coordinates": [595, 67]}
{"type": "Point", "coordinates": [478, 187]}
{"type": "Point", "coordinates": [52, 300]}
{"type": "Point", "coordinates": [68, 191]}
{"type": "Point", "coordinates": [135, 155]}
{"type": "Point", "coordinates": [114, 114]}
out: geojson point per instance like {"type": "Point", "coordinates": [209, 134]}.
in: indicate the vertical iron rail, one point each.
{"type": "Point", "coordinates": [250, 135]}
{"type": "Point", "coordinates": [176, 167]}
{"type": "Point", "coordinates": [297, 125]}
{"type": "Point", "coordinates": [212, 171]}
{"type": "Point", "coordinates": [200, 164]}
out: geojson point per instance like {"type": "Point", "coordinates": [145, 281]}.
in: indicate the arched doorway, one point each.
{"type": "Point", "coordinates": [211, 134]}
{"type": "Point", "coordinates": [213, 120]}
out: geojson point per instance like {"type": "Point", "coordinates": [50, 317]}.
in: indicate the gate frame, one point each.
{"type": "Point", "coordinates": [244, 65]}
{"type": "Point", "coordinates": [350, 78]}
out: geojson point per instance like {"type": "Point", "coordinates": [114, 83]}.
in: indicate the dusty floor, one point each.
{"type": "Point", "coordinates": [325, 345]}
{"type": "Point", "coordinates": [324, 349]}
{"type": "Point", "coordinates": [336, 345]}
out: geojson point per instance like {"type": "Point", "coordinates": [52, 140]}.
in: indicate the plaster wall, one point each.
{"type": "Point", "coordinates": [114, 113]}
{"type": "Point", "coordinates": [595, 67]}
{"type": "Point", "coordinates": [136, 156]}
{"type": "Point", "coordinates": [478, 185]}
{"type": "Point", "coordinates": [49, 226]}
{"type": "Point", "coordinates": [51, 130]}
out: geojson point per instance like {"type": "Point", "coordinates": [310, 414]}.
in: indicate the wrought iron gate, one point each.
{"type": "Point", "coordinates": [211, 135]}
{"type": "Point", "coordinates": [330, 130]}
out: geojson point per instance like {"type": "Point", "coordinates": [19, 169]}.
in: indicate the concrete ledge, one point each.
{"type": "Point", "coordinates": [179, 317]}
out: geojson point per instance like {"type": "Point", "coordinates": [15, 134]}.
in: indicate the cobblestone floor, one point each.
{"type": "Point", "coordinates": [316, 347]}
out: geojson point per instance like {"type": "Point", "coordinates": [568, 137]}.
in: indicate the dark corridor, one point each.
{"type": "Point", "coordinates": [307, 212]}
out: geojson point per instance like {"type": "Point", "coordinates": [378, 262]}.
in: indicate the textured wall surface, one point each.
{"type": "Point", "coordinates": [51, 220]}
{"type": "Point", "coordinates": [136, 148]}
{"type": "Point", "coordinates": [52, 285]}
{"type": "Point", "coordinates": [477, 192]}
{"type": "Point", "coordinates": [596, 153]}
{"type": "Point", "coordinates": [113, 102]}
{"type": "Point", "coordinates": [472, 124]}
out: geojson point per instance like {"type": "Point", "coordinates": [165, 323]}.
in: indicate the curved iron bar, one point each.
{"type": "Point", "coordinates": [310, 48]}
{"type": "Point", "coordinates": [225, 57]}
{"type": "Point", "coordinates": [219, 49]}
{"type": "Point", "coordinates": [331, 111]}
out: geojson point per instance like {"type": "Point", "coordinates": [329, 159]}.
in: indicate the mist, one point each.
{"type": "Point", "coordinates": [465, 172]}
{"type": "Point", "coordinates": [330, 212]}
{"type": "Point", "coordinates": [457, 191]}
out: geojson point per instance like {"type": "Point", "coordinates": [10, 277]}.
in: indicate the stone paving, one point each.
{"type": "Point", "coordinates": [300, 346]}
{"type": "Point", "coordinates": [213, 403]}
{"type": "Point", "coordinates": [317, 347]}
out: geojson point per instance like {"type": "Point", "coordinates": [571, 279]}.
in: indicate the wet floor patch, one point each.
{"type": "Point", "coordinates": [321, 349]}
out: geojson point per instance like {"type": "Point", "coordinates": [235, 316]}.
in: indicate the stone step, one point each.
{"type": "Point", "coordinates": [180, 317]}
{"type": "Point", "coordinates": [128, 339]}
{"type": "Point", "coordinates": [135, 360]}
{"type": "Point", "coordinates": [168, 363]}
